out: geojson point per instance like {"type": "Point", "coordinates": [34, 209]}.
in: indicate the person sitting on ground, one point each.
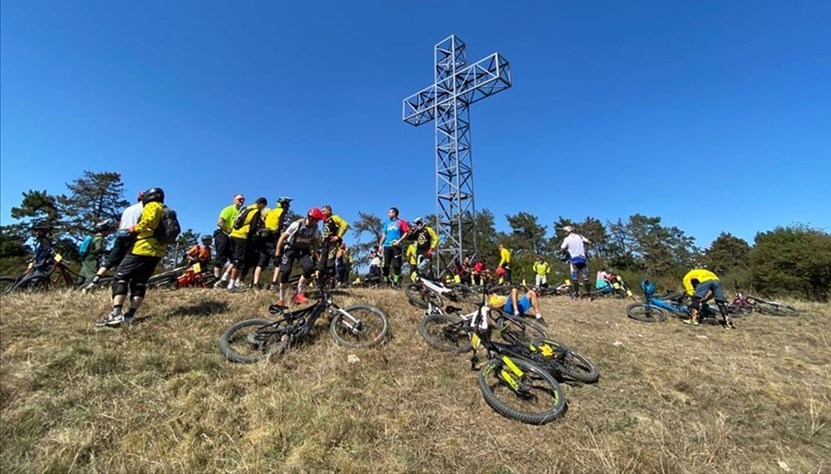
{"type": "Point", "coordinates": [374, 268]}
{"type": "Point", "coordinates": [517, 305]}
{"type": "Point", "coordinates": [698, 283]}
{"type": "Point", "coordinates": [201, 253]}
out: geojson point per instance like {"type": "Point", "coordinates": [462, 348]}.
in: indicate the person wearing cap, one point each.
{"type": "Point", "coordinates": [273, 225]}
{"type": "Point", "coordinates": [334, 228]}
{"type": "Point", "coordinates": [426, 241]}
{"type": "Point", "coordinates": [517, 305]}
{"type": "Point", "coordinates": [297, 244]}
{"type": "Point", "coordinates": [222, 239]}
{"type": "Point", "coordinates": [575, 245]}
{"type": "Point", "coordinates": [504, 264]}
{"type": "Point", "coordinates": [244, 228]}
{"type": "Point", "coordinates": [123, 240]}
{"type": "Point", "coordinates": [394, 232]}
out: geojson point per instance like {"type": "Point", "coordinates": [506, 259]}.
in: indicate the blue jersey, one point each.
{"type": "Point", "coordinates": [394, 230]}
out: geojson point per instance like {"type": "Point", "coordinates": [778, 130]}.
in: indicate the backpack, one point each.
{"type": "Point", "coordinates": [85, 246]}
{"type": "Point", "coordinates": [239, 222]}
{"type": "Point", "coordinates": [169, 228]}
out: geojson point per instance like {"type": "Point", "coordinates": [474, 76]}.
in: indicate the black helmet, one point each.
{"type": "Point", "coordinates": [102, 226]}
{"type": "Point", "coordinates": [284, 202]}
{"type": "Point", "coordinates": [206, 238]}
{"type": "Point", "coordinates": [153, 195]}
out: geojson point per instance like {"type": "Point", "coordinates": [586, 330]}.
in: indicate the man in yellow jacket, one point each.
{"type": "Point", "coordinates": [274, 224]}
{"type": "Point", "coordinates": [241, 233]}
{"type": "Point", "coordinates": [541, 269]}
{"type": "Point", "coordinates": [505, 263]}
{"type": "Point", "coordinates": [140, 262]}
{"type": "Point", "coordinates": [698, 283]}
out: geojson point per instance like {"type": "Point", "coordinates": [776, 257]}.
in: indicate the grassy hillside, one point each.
{"type": "Point", "coordinates": [159, 397]}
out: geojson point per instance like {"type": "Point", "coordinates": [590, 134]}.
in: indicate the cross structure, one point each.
{"type": "Point", "coordinates": [457, 86]}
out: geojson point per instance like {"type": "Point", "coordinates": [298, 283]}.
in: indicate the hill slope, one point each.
{"type": "Point", "coordinates": [159, 396]}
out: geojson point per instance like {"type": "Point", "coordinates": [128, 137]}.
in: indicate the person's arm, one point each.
{"type": "Point", "coordinates": [343, 226]}
{"type": "Point", "coordinates": [283, 237]}
{"type": "Point", "coordinates": [688, 287]}
{"type": "Point", "coordinates": [434, 239]}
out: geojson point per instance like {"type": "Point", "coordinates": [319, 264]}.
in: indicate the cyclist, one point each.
{"type": "Point", "coordinates": [334, 228]}
{"type": "Point", "coordinates": [412, 261]}
{"type": "Point", "coordinates": [427, 241]}
{"type": "Point", "coordinates": [93, 252]}
{"type": "Point", "coordinates": [374, 275]}
{"type": "Point", "coordinates": [343, 264]}
{"type": "Point", "coordinates": [541, 268]}
{"type": "Point", "coordinates": [274, 224]}
{"type": "Point", "coordinates": [575, 244]}
{"type": "Point", "coordinates": [241, 234]}
{"type": "Point", "coordinates": [222, 239]}
{"type": "Point", "coordinates": [518, 305]}
{"type": "Point", "coordinates": [480, 273]}
{"type": "Point", "coordinates": [464, 271]}
{"type": "Point", "coordinates": [394, 232]}
{"type": "Point", "coordinates": [700, 282]}
{"type": "Point", "coordinates": [140, 262]}
{"type": "Point", "coordinates": [123, 239]}
{"type": "Point", "coordinates": [297, 243]}
{"type": "Point", "coordinates": [201, 253]}
{"type": "Point", "coordinates": [504, 263]}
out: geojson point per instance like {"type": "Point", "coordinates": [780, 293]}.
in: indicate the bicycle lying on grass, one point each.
{"type": "Point", "coordinates": [654, 309]}
{"type": "Point", "coordinates": [251, 340]}
{"type": "Point", "coordinates": [520, 377]}
{"type": "Point", "coordinates": [193, 276]}
{"type": "Point", "coordinates": [747, 304]}
{"type": "Point", "coordinates": [423, 292]}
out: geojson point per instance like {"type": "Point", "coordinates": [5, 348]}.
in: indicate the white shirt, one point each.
{"type": "Point", "coordinates": [131, 216]}
{"type": "Point", "coordinates": [574, 244]}
{"type": "Point", "coordinates": [376, 261]}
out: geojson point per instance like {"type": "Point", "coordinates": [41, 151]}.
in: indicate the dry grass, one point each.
{"type": "Point", "coordinates": [159, 397]}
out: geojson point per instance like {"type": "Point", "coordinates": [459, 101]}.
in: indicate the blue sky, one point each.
{"type": "Point", "coordinates": [714, 115]}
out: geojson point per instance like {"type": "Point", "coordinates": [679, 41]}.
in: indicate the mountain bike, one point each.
{"type": "Point", "coordinates": [772, 308]}
{"type": "Point", "coordinates": [193, 276]}
{"type": "Point", "coordinates": [423, 292]}
{"type": "Point", "coordinates": [59, 276]}
{"type": "Point", "coordinates": [448, 331]}
{"type": "Point", "coordinates": [616, 288]}
{"type": "Point", "coordinates": [251, 340]}
{"type": "Point", "coordinates": [655, 309]}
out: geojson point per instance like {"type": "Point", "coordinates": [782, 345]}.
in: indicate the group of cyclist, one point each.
{"type": "Point", "coordinates": [254, 237]}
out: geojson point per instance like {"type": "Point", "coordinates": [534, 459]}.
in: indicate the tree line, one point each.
{"type": "Point", "coordinates": [792, 260]}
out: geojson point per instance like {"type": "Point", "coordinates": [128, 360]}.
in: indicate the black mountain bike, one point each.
{"type": "Point", "coordinates": [249, 341]}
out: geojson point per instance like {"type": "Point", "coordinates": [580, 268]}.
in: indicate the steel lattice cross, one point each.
{"type": "Point", "coordinates": [447, 102]}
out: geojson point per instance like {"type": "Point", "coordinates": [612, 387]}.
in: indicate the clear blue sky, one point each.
{"type": "Point", "coordinates": [714, 115]}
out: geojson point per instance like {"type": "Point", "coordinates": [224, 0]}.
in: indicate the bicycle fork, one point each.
{"type": "Point", "coordinates": [353, 324]}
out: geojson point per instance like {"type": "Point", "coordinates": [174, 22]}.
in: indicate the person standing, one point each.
{"type": "Point", "coordinates": [140, 262]}
{"type": "Point", "coordinates": [297, 244]}
{"type": "Point", "coordinates": [274, 225]}
{"type": "Point", "coordinates": [241, 234]}
{"type": "Point", "coordinates": [504, 264]}
{"type": "Point", "coordinates": [222, 239]}
{"type": "Point", "coordinates": [575, 244]}
{"type": "Point", "coordinates": [95, 249]}
{"type": "Point", "coordinates": [541, 269]}
{"type": "Point", "coordinates": [334, 228]}
{"type": "Point", "coordinates": [394, 232]}
{"type": "Point", "coordinates": [123, 240]}
{"type": "Point", "coordinates": [427, 241]}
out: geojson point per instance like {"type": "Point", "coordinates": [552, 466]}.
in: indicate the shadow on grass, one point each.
{"type": "Point", "coordinates": [203, 308]}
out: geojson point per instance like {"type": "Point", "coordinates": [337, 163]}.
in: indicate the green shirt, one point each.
{"type": "Point", "coordinates": [228, 215]}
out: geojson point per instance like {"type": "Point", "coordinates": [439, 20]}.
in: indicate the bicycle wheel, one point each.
{"type": "Point", "coordinates": [646, 313]}
{"type": "Point", "coordinates": [445, 333]}
{"type": "Point", "coordinates": [165, 282]}
{"type": "Point", "coordinates": [465, 294]}
{"type": "Point", "coordinates": [570, 363]}
{"type": "Point", "coordinates": [420, 295]}
{"type": "Point", "coordinates": [367, 326]}
{"type": "Point", "coordinates": [241, 342]}
{"type": "Point", "coordinates": [534, 397]}
{"type": "Point", "coordinates": [517, 329]}
{"type": "Point", "coordinates": [776, 309]}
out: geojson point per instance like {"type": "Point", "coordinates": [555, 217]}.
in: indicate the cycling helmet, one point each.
{"type": "Point", "coordinates": [102, 226]}
{"type": "Point", "coordinates": [418, 221]}
{"type": "Point", "coordinates": [500, 272]}
{"type": "Point", "coordinates": [153, 195]}
{"type": "Point", "coordinates": [284, 201]}
{"type": "Point", "coordinates": [206, 239]}
{"type": "Point", "coordinates": [316, 214]}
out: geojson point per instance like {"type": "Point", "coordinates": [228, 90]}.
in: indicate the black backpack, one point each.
{"type": "Point", "coordinates": [169, 228]}
{"type": "Point", "coordinates": [239, 222]}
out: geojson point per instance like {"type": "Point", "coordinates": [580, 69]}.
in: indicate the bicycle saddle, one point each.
{"type": "Point", "coordinates": [453, 309]}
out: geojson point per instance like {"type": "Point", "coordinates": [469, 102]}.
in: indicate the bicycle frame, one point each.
{"type": "Point", "coordinates": [310, 314]}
